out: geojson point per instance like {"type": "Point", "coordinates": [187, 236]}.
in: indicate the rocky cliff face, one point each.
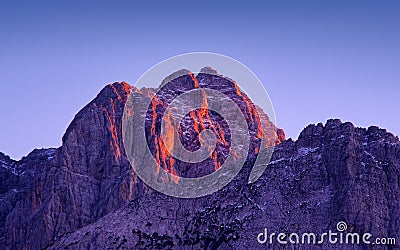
{"type": "Point", "coordinates": [85, 195]}
{"type": "Point", "coordinates": [333, 172]}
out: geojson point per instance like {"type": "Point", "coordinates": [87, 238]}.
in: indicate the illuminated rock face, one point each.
{"type": "Point", "coordinates": [198, 120]}
{"type": "Point", "coordinates": [86, 194]}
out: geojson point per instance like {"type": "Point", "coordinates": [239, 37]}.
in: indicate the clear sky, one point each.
{"type": "Point", "coordinates": [317, 59]}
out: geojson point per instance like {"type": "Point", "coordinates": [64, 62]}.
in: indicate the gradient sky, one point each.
{"type": "Point", "coordinates": [317, 59]}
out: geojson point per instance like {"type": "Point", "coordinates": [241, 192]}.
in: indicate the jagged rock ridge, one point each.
{"type": "Point", "coordinates": [85, 195]}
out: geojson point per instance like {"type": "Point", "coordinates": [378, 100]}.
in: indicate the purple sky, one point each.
{"type": "Point", "coordinates": [317, 59]}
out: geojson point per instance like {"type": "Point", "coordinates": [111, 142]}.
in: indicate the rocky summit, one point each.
{"type": "Point", "coordinates": [85, 195]}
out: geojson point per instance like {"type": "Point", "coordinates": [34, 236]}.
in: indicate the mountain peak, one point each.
{"type": "Point", "coordinates": [324, 175]}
